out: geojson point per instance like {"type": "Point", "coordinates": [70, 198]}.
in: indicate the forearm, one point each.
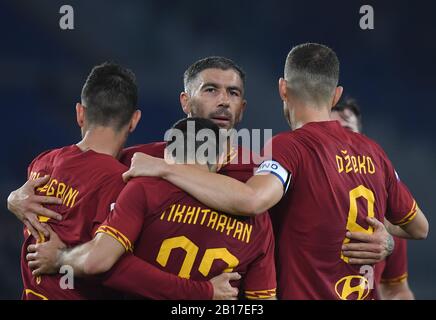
{"type": "Point", "coordinates": [397, 231]}
{"type": "Point", "coordinates": [398, 291]}
{"type": "Point", "coordinates": [214, 190]}
{"type": "Point", "coordinates": [77, 258]}
{"type": "Point", "coordinates": [415, 229]}
{"type": "Point", "coordinates": [137, 277]}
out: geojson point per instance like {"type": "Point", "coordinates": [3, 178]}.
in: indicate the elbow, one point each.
{"type": "Point", "coordinates": [421, 232]}
{"type": "Point", "coordinates": [250, 205]}
{"type": "Point", "coordinates": [10, 201]}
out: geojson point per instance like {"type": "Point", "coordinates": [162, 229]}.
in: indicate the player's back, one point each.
{"type": "Point", "coordinates": [180, 235]}
{"type": "Point", "coordinates": [87, 182]}
{"type": "Point", "coordinates": [338, 179]}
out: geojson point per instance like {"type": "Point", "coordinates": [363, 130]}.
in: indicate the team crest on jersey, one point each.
{"type": "Point", "coordinates": [353, 287]}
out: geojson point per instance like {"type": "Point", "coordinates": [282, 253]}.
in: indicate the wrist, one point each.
{"type": "Point", "coordinates": [166, 170]}
{"type": "Point", "coordinates": [210, 290]}
{"type": "Point", "coordinates": [390, 244]}
{"type": "Point", "coordinates": [60, 258]}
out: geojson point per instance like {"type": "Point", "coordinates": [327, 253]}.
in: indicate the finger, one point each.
{"type": "Point", "coordinates": [373, 222]}
{"type": "Point", "coordinates": [30, 256]}
{"type": "Point", "coordinates": [52, 234]}
{"type": "Point", "coordinates": [362, 261]}
{"type": "Point", "coordinates": [360, 236]}
{"type": "Point", "coordinates": [31, 248]}
{"type": "Point", "coordinates": [234, 276]}
{"type": "Point", "coordinates": [38, 225]}
{"type": "Point", "coordinates": [47, 200]}
{"type": "Point", "coordinates": [236, 291]}
{"type": "Point", "coordinates": [42, 211]}
{"type": "Point", "coordinates": [361, 254]}
{"type": "Point", "coordinates": [362, 247]}
{"type": "Point", "coordinates": [40, 181]}
{"type": "Point", "coordinates": [31, 229]}
{"type": "Point", "coordinates": [128, 175]}
{"type": "Point", "coordinates": [37, 272]}
{"type": "Point", "coordinates": [33, 265]}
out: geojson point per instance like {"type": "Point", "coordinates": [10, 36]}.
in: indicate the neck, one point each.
{"type": "Point", "coordinates": [102, 140]}
{"type": "Point", "coordinates": [306, 113]}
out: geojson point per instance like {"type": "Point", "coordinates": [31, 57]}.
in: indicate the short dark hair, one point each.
{"type": "Point", "coordinates": [214, 62]}
{"type": "Point", "coordinates": [350, 104]}
{"type": "Point", "coordinates": [110, 95]}
{"type": "Point", "coordinates": [312, 72]}
{"type": "Point", "coordinates": [198, 124]}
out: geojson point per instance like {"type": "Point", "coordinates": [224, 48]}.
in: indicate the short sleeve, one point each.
{"type": "Point", "coordinates": [401, 206]}
{"type": "Point", "coordinates": [260, 280]}
{"type": "Point", "coordinates": [396, 264]}
{"type": "Point", "coordinates": [284, 159]}
{"type": "Point", "coordinates": [125, 221]}
{"type": "Point", "coordinates": [106, 198]}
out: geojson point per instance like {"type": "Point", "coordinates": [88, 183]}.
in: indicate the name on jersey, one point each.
{"type": "Point", "coordinates": [220, 222]}
{"type": "Point", "coordinates": [58, 189]}
{"type": "Point", "coordinates": [356, 164]}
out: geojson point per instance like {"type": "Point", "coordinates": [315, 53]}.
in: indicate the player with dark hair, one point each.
{"type": "Point", "coordinates": [214, 89]}
{"type": "Point", "coordinates": [347, 112]}
{"type": "Point", "coordinates": [85, 179]}
{"type": "Point", "coordinates": [166, 227]}
{"type": "Point", "coordinates": [391, 274]}
{"type": "Point", "coordinates": [323, 180]}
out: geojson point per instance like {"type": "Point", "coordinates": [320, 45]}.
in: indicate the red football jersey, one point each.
{"type": "Point", "coordinates": [335, 179]}
{"type": "Point", "coordinates": [89, 183]}
{"type": "Point", "coordinates": [166, 227]}
{"type": "Point", "coordinates": [233, 167]}
{"type": "Point", "coordinates": [394, 268]}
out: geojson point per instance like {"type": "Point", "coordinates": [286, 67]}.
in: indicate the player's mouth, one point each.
{"type": "Point", "coordinates": [221, 121]}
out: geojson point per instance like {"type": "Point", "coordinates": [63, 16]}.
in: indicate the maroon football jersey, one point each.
{"type": "Point", "coordinates": [233, 166]}
{"type": "Point", "coordinates": [168, 228]}
{"type": "Point", "coordinates": [334, 179]}
{"type": "Point", "coordinates": [89, 183]}
{"type": "Point", "coordinates": [394, 268]}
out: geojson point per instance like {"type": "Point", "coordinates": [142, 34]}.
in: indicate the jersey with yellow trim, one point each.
{"type": "Point", "coordinates": [88, 183]}
{"type": "Point", "coordinates": [336, 179]}
{"type": "Point", "coordinates": [239, 163]}
{"type": "Point", "coordinates": [394, 268]}
{"type": "Point", "coordinates": [170, 229]}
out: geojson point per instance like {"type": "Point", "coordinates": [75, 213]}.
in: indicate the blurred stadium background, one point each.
{"type": "Point", "coordinates": [389, 70]}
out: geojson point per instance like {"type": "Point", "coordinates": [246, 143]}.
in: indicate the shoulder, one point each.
{"type": "Point", "coordinates": [104, 170]}
{"type": "Point", "coordinates": [50, 154]}
{"type": "Point", "coordinates": [48, 157]}
{"type": "Point", "coordinates": [154, 149]}
{"type": "Point", "coordinates": [153, 185]}
{"type": "Point", "coordinates": [153, 191]}
{"type": "Point", "coordinates": [372, 147]}
{"type": "Point", "coordinates": [287, 139]}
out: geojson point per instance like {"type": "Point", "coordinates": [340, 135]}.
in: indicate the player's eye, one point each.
{"type": "Point", "coordinates": [235, 93]}
{"type": "Point", "coordinates": [210, 89]}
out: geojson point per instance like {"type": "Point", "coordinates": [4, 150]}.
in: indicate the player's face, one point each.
{"type": "Point", "coordinates": [347, 119]}
{"type": "Point", "coordinates": [217, 95]}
